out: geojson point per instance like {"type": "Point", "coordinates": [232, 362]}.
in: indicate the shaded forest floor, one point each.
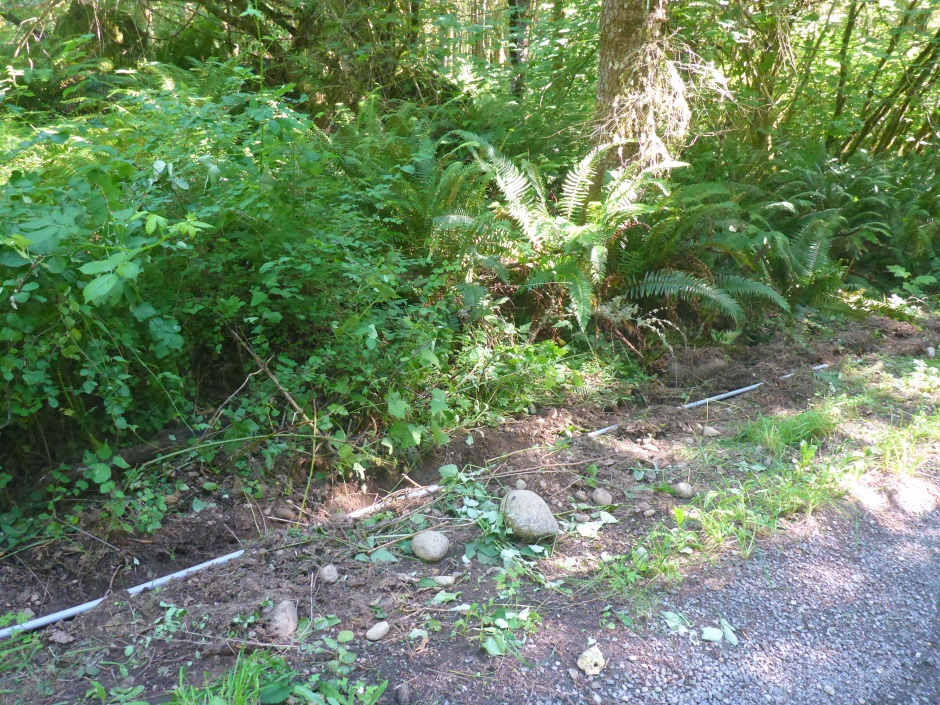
{"type": "Point", "coordinates": [812, 540]}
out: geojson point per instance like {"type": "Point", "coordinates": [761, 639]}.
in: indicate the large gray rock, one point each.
{"type": "Point", "coordinates": [430, 546]}
{"type": "Point", "coordinates": [528, 516]}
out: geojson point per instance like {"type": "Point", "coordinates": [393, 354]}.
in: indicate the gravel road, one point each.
{"type": "Point", "coordinates": [841, 609]}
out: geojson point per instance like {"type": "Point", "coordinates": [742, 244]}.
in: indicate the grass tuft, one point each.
{"type": "Point", "coordinates": [782, 433]}
{"type": "Point", "coordinates": [904, 448]}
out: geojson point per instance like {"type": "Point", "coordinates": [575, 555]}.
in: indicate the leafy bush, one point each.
{"type": "Point", "coordinates": [152, 254]}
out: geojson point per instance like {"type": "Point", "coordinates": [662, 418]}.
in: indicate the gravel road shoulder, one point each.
{"type": "Point", "coordinates": [842, 608]}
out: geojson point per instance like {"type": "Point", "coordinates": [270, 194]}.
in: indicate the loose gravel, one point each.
{"type": "Point", "coordinates": [843, 609]}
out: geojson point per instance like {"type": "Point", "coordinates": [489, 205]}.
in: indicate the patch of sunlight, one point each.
{"type": "Point", "coordinates": [897, 379]}
{"type": "Point", "coordinates": [869, 497]}
{"type": "Point", "coordinates": [911, 495]}
{"type": "Point", "coordinates": [915, 496]}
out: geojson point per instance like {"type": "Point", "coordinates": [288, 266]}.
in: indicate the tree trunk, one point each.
{"type": "Point", "coordinates": [854, 9]}
{"type": "Point", "coordinates": [629, 95]}
{"type": "Point", "coordinates": [518, 42]}
{"type": "Point", "coordinates": [913, 79]}
{"type": "Point", "coordinates": [558, 18]}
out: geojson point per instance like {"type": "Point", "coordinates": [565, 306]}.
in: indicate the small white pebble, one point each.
{"type": "Point", "coordinates": [329, 574]}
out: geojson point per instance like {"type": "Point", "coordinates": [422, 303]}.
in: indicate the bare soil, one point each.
{"type": "Point", "coordinates": [766, 597]}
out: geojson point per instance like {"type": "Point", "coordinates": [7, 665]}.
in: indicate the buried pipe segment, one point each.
{"type": "Point", "coordinates": [79, 609]}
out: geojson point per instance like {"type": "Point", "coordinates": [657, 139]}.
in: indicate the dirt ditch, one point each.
{"type": "Point", "coordinates": [200, 624]}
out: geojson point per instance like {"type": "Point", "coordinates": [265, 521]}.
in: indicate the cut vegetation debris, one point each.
{"type": "Point", "coordinates": [494, 596]}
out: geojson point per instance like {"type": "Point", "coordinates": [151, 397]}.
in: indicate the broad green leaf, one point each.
{"type": "Point", "coordinates": [105, 265]}
{"type": "Point", "coordinates": [274, 693]}
{"type": "Point", "coordinates": [676, 622]}
{"type": "Point", "coordinates": [12, 259]}
{"type": "Point", "coordinates": [330, 620]}
{"type": "Point", "coordinates": [439, 437]}
{"type": "Point", "coordinates": [495, 646]}
{"type": "Point", "coordinates": [305, 692]}
{"type": "Point", "coordinates": [438, 402]}
{"type": "Point", "coordinates": [397, 406]}
{"type": "Point", "coordinates": [99, 289]}
{"type": "Point", "coordinates": [129, 270]}
{"type": "Point", "coordinates": [100, 474]}
{"type": "Point", "coordinates": [443, 597]}
{"type": "Point", "coordinates": [383, 555]}
{"type": "Point", "coordinates": [728, 631]}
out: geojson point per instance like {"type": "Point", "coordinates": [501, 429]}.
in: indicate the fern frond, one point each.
{"type": "Point", "coordinates": [455, 221]}
{"type": "Point", "coordinates": [598, 263]}
{"type": "Point", "coordinates": [814, 242]}
{"type": "Point", "coordinates": [426, 165]}
{"type": "Point", "coordinates": [580, 290]}
{"type": "Point", "coordinates": [451, 183]}
{"type": "Point", "coordinates": [682, 285]}
{"type": "Point", "coordinates": [741, 287]}
{"type": "Point", "coordinates": [577, 184]}
{"type": "Point", "coordinates": [523, 202]}
{"type": "Point", "coordinates": [782, 206]}
{"type": "Point", "coordinates": [538, 184]}
{"type": "Point", "coordinates": [582, 295]}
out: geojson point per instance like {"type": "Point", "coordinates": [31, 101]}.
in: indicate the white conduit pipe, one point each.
{"type": "Point", "coordinates": [742, 390]}
{"type": "Point", "coordinates": [602, 431]}
{"type": "Point", "coordinates": [79, 609]}
{"type": "Point", "coordinates": [73, 611]}
{"type": "Point", "coordinates": [816, 368]}
{"type": "Point", "coordinates": [718, 397]}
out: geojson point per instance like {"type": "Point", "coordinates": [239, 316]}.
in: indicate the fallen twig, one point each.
{"type": "Point", "coordinates": [413, 494]}
{"type": "Point", "coordinates": [541, 468]}
{"type": "Point", "coordinates": [399, 539]}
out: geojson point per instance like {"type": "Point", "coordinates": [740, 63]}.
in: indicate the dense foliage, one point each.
{"type": "Point", "coordinates": [350, 231]}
